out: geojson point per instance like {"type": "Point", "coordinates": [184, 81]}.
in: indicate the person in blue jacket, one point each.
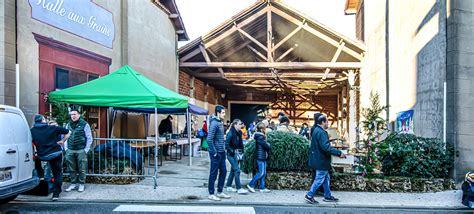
{"type": "Point", "coordinates": [216, 143]}
{"type": "Point", "coordinates": [262, 149]}
{"type": "Point", "coordinates": [320, 159]}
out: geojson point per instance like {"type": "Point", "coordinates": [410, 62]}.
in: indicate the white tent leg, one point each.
{"type": "Point", "coordinates": [188, 124]}
{"type": "Point", "coordinates": [156, 146]}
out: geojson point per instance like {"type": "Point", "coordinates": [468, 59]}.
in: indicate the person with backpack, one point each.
{"type": "Point", "coordinates": [262, 149]}
{"type": "Point", "coordinates": [235, 146]}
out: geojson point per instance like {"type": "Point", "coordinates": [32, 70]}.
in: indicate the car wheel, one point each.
{"type": "Point", "coordinates": [6, 200]}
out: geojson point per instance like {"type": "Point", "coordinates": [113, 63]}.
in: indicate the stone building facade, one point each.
{"type": "Point", "coordinates": [59, 44]}
{"type": "Point", "coordinates": [413, 48]}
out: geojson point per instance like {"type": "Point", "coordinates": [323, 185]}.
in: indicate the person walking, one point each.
{"type": "Point", "coordinates": [77, 147]}
{"type": "Point", "coordinates": [215, 141]}
{"type": "Point", "coordinates": [235, 146]}
{"type": "Point", "coordinates": [166, 127]}
{"type": "Point", "coordinates": [48, 147]}
{"type": "Point", "coordinates": [304, 131]}
{"type": "Point", "coordinates": [320, 159]}
{"type": "Point", "coordinates": [262, 149]}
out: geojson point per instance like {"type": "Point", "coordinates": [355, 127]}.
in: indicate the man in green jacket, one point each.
{"type": "Point", "coordinates": [77, 147]}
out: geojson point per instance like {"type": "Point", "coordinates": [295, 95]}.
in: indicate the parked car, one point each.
{"type": "Point", "coordinates": [17, 170]}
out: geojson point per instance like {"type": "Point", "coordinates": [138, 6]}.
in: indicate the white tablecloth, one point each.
{"type": "Point", "coordinates": [195, 143]}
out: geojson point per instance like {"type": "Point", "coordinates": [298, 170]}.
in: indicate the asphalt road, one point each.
{"type": "Point", "coordinates": [83, 207]}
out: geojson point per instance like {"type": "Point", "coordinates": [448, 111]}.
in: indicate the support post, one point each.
{"type": "Point", "coordinates": [156, 146]}
{"type": "Point", "coordinates": [17, 85]}
{"type": "Point", "coordinates": [188, 122]}
{"type": "Point", "coordinates": [444, 114]}
{"type": "Point", "coordinates": [352, 110]}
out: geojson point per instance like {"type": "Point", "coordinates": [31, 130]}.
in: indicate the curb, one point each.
{"type": "Point", "coordinates": [224, 203]}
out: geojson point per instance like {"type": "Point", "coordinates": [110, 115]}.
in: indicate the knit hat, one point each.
{"type": "Point", "coordinates": [39, 118]}
{"type": "Point", "coordinates": [470, 177]}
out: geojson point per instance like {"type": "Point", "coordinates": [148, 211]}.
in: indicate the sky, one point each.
{"type": "Point", "coordinates": [201, 16]}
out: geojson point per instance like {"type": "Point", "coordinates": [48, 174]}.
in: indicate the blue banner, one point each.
{"type": "Point", "coordinates": [81, 17]}
{"type": "Point", "coordinates": [405, 122]}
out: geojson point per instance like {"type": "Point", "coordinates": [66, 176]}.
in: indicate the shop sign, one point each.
{"type": "Point", "coordinates": [81, 17]}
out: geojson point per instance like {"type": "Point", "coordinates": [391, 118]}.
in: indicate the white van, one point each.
{"type": "Point", "coordinates": [16, 154]}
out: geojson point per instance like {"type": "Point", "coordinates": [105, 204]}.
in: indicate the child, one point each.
{"type": "Point", "coordinates": [261, 148]}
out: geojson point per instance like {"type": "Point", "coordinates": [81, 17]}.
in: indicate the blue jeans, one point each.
{"type": "Point", "coordinates": [234, 172]}
{"type": "Point", "coordinates": [217, 165]}
{"type": "Point", "coordinates": [321, 178]}
{"type": "Point", "coordinates": [262, 172]}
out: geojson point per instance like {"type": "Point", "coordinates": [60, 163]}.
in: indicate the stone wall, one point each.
{"type": "Point", "coordinates": [460, 78]}
{"type": "Point", "coordinates": [413, 53]}
{"type": "Point", "coordinates": [7, 52]}
{"type": "Point", "coordinates": [346, 182]}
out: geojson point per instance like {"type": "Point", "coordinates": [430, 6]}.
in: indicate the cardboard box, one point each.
{"type": "Point", "coordinates": [348, 160]}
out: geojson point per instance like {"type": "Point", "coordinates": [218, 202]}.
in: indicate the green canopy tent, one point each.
{"type": "Point", "coordinates": [125, 88]}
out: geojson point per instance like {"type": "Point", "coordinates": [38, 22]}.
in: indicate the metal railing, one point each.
{"type": "Point", "coordinates": [111, 157]}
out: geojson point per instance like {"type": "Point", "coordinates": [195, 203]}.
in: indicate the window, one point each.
{"type": "Point", "coordinates": [92, 77]}
{"type": "Point", "coordinates": [62, 78]}
{"type": "Point", "coordinates": [67, 77]}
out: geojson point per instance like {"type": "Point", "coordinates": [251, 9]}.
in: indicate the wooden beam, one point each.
{"type": "Point", "coordinates": [252, 39]}
{"type": "Point", "coordinates": [234, 29]}
{"type": "Point", "coordinates": [251, 75]}
{"type": "Point", "coordinates": [269, 36]}
{"type": "Point", "coordinates": [190, 55]}
{"type": "Point", "coordinates": [286, 53]}
{"type": "Point", "coordinates": [208, 59]}
{"type": "Point", "coordinates": [334, 58]}
{"type": "Point", "coordinates": [288, 36]}
{"type": "Point", "coordinates": [276, 65]}
{"type": "Point", "coordinates": [256, 52]}
{"type": "Point", "coordinates": [316, 33]}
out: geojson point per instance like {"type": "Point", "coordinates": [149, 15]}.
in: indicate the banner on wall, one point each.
{"type": "Point", "coordinates": [405, 122]}
{"type": "Point", "coordinates": [80, 17]}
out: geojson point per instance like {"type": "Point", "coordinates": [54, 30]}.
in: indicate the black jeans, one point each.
{"type": "Point", "coordinates": [56, 165]}
{"type": "Point", "coordinates": [217, 165]}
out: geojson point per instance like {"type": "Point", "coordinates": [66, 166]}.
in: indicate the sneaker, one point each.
{"type": "Point", "coordinates": [55, 196]}
{"type": "Point", "coordinates": [71, 188]}
{"type": "Point", "coordinates": [230, 189]}
{"type": "Point", "coordinates": [213, 198]}
{"type": "Point", "coordinates": [81, 188]}
{"type": "Point", "coordinates": [252, 190]}
{"type": "Point", "coordinates": [331, 199]}
{"type": "Point", "coordinates": [310, 200]}
{"type": "Point", "coordinates": [242, 191]}
{"type": "Point", "coordinates": [223, 195]}
{"type": "Point", "coordinates": [265, 190]}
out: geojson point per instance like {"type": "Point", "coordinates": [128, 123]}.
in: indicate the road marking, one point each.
{"type": "Point", "coordinates": [184, 209]}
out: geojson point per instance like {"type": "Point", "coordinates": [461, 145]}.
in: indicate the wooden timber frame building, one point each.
{"type": "Point", "coordinates": [271, 53]}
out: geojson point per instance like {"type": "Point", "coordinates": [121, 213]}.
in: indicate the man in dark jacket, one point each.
{"type": "Point", "coordinates": [320, 159]}
{"type": "Point", "coordinates": [166, 127]}
{"type": "Point", "coordinates": [49, 149]}
{"type": "Point", "coordinates": [215, 140]}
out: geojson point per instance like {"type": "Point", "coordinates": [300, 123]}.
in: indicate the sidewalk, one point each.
{"type": "Point", "coordinates": [179, 183]}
